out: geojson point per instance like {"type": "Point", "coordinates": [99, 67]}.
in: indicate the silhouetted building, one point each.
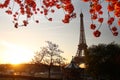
{"type": "Point", "coordinates": [82, 46]}
{"type": "Point", "coordinates": [72, 72]}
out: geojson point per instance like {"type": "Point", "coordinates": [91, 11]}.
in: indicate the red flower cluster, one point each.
{"type": "Point", "coordinates": [5, 4]}
{"type": "Point", "coordinates": [66, 5]}
{"type": "Point", "coordinates": [9, 11]}
{"type": "Point", "coordinates": [92, 26]}
{"type": "Point", "coordinates": [97, 33]}
{"type": "Point", "coordinates": [31, 3]}
{"type": "Point", "coordinates": [113, 7]}
{"type": "Point", "coordinates": [110, 20]}
{"type": "Point", "coordinates": [29, 8]}
{"type": "Point", "coordinates": [69, 8]}
{"type": "Point", "coordinates": [96, 12]}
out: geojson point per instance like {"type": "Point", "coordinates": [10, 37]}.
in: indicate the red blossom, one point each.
{"type": "Point", "coordinates": [65, 21]}
{"type": "Point", "coordinates": [38, 9]}
{"type": "Point", "coordinates": [110, 7]}
{"type": "Point", "coordinates": [114, 28]}
{"type": "Point", "coordinates": [92, 11]}
{"type": "Point", "coordinates": [110, 21]}
{"type": "Point", "coordinates": [100, 12]}
{"type": "Point", "coordinates": [97, 33]}
{"type": "Point", "coordinates": [117, 13]}
{"type": "Point", "coordinates": [22, 11]}
{"type": "Point", "coordinates": [117, 6]}
{"type": "Point", "coordinates": [16, 25]}
{"type": "Point", "coordinates": [69, 8]}
{"type": "Point", "coordinates": [97, 7]}
{"type": "Point", "coordinates": [15, 19]}
{"type": "Point", "coordinates": [65, 1]}
{"type": "Point", "coordinates": [94, 16]}
{"type": "Point", "coordinates": [67, 16]}
{"type": "Point", "coordinates": [52, 10]}
{"type": "Point", "coordinates": [119, 22]}
{"type": "Point", "coordinates": [111, 18]}
{"type": "Point", "coordinates": [115, 33]}
{"type": "Point", "coordinates": [45, 11]}
{"type": "Point", "coordinates": [92, 26]}
{"type": "Point", "coordinates": [37, 21]}
{"type": "Point", "coordinates": [100, 20]}
{"type": "Point", "coordinates": [25, 22]}
{"type": "Point", "coordinates": [58, 6]}
{"type": "Point", "coordinates": [30, 3]}
{"type": "Point", "coordinates": [5, 4]}
{"type": "Point", "coordinates": [41, 12]}
{"type": "Point", "coordinates": [9, 12]}
{"type": "Point", "coordinates": [50, 19]}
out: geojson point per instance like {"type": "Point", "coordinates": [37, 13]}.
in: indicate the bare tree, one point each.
{"type": "Point", "coordinates": [39, 55]}
{"type": "Point", "coordinates": [50, 55]}
{"type": "Point", "coordinates": [60, 61]}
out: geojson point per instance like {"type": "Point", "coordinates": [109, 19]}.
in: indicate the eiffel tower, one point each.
{"type": "Point", "coordinates": [82, 46]}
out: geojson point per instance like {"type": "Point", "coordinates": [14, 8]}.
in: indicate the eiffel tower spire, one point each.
{"type": "Point", "coordinates": [82, 46]}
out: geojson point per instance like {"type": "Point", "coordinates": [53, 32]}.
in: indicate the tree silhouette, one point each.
{"type": "Point", "coordinates": [50, 55]}
{"type": "Point", "coordinates": [39, 56]}
{"type": "Point", "coordinates": [30, 8]}
{"type": "Point", "coordinates": [103, 61]}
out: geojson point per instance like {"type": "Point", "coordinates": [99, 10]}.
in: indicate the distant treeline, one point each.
{"type": "Point", "coordinates": [27, 67]}
{"type": "Point", "coordinates": [19, 77]}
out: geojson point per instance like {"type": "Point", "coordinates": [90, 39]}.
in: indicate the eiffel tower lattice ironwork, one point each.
{"type": "Point", "coordinates": [82, 46]}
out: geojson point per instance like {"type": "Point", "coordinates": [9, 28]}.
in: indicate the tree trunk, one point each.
{"type": "Point", "coordinates": [49, 70]}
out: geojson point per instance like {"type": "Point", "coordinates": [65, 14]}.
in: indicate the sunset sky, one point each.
{"type": "Point", "coordinates": [22, 43]}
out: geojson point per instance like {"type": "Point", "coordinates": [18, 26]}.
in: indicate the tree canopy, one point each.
{"type": "Point", "coordinates": [50, 55]}
{"type": "Point", "coordinates": [103, 60]}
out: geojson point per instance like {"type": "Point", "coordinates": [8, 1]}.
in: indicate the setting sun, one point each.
{"type": "Point", "coordinates": [15, 54]}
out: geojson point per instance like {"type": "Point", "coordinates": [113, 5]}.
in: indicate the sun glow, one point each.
{"type": "Point", "coordinates": [15, 54]}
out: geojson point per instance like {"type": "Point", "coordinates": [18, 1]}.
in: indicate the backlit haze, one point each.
{"type": "Point", "coordinates": [19, 45]}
